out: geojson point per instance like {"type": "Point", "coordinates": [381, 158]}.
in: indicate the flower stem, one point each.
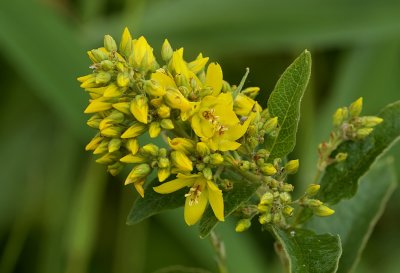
{"type": "Point", "coordinates": [219, 248]}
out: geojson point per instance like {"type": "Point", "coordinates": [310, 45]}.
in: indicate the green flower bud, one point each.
{"type": "Point", "coordinates": [287, 187]}
{"type": "Point", "coordinates": [94, 121]}
{"type": "Point", "coordinates": [263, 208]}
{"type": "Point", "coordinates": [102, 147]}
{"type": "Point", "coordinates": [115, 168]}
{"type": "Point", "coordinates": [202, 149]}
{"type": "Point", "coordinates": [363, 133]}
{"type": "Point", "coordinates": [339, 117]}
{"type": "Point", "coordinates": [267, 198]}
{"type": "Point", "coordinates": [244, 165]}
{"type": "Point", "coordinates": [167, 124]}
{"type": "Point", "coordinates": [355, 108]}
{"type": "Point", "coordinates": [103, 77]}
{"type": "Point", "coordinates": [276, 218]}
{"type": "Point", "coordinates": [268, 169]}
{"type": "Point", "coordinates": [265, 218]}
{"type": "Point", "coordinates": [288, 211]}
{"type": "Point", "coordinates": [207, 173]}
{"type": "Point", "coordinates": [153, 88]}
{"type": "Point", "coordinates": [216, 159]}
{"type": "Point", "coordinates": [312, 189]}
{"type": "Point", "coordinates": [107, 65]}
{"type": "Point", "coordinates": [313, 203]}
{"type": "Point", "coordinates": [243, 225]}
{"type": "Point", "coordinates": [99, 55]}
{"type": "Point", "coordinates": [114, 145]}
{"type": "Point", "coordinates": [285, 197]}
{"type": "Point", "coordinates": [94, 143]}
{"type": "Point", "coordinates": [138, 173]}
{"type": "Point", "coordinates": [166, 51]}
{"type": "Point", "coordinates": [292, 166]}
{"type": "Point", "coordinates": [109, 43]}
{"type": "Point", "coordinates": [112, 131]}
{"type": "Point", "coordinates": [150, 149]}
{"type": "Point", "coordinates": [270, 125]}
{"type": "Point", "coordinates": [370, 121]}
{"type": "Point", "coordinates": [163, 163]}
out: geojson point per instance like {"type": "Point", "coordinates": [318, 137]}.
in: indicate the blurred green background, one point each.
{"type": "Point", "coordinates": [60, 212]}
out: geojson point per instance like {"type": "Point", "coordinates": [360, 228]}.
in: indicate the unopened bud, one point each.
{"type": "Point", "coordinates": [370, 121]}
{"type": "Point", "coordinates": [109, 43]}
{"type": "Point", "coordinates": [154, 129]}
{"type": "Point", "coordinates": [140, 108]}
{"type": "Point", "coordinates": [341, 157]}
{"type": "Point", "coordinates": [268, 169]}
{"type": "Point", "coordinates": [103, 77]}
{"type": "Point", "coordinates": [166, 51]}
{"type": "Point", "coordinates": [313, 203]}
{"type": "Point", "coordinates": [167, 124]}
{"type": "Point", "coordinates": [276, 218]}
{"type": "Point", "coordinates": [363, 132]}
{"type": "Point", "coordinates": [163, 111]}
{"type": "Point", "coordinates": [123, 79]}
{"type": "Point", "coordinates": [285, 197]}
{"type": "Point", "coordinates": [356, 107]}
{"type": "Point", "coordinates": [216, 159]}
{"type": "Point", "coordinates": [181, 161]}
{"type": "Point", "coordinates": [263, 208]}
{"type": "Point", "coordinates": [267, 198]}
{"type": "Point", "coordinates": [244, 165]}
{"type": "Point", "coordinates": [163, 163]}
{"type": "Point", "coordinates": [97, 106]}
{"type": "Point", "coordinates": [339, 117]}
{"type": "Point", "coordinates": [163, 173]}
{"type": "Point", "coordinates": [207, 173]}
{"type": "Point", "coordinates": [123, 107]}
{"type": "Point", "coordinates": [288, 211]}
{"type": "Point", "coordinates": [94, 143]}
{"type": "Point", "coordinates": [292, 166]}
{"type": "Point", "coordinates": [270, 125]}
{"type": "Point", "coordinates": [114, 145]}
{"type": "Point", "coordinates": [132, 145]}
{"type": "Point", "coordinates": [202, 149]}
{"type": "Point", "coordinates": [112, 131]}
{"type": "Point", "coordinates": [135, 130]}
{"type": "Point", "coordinates": [150, 149]}
{"type": "Point", "coordinates": [182, 144]}
{"type": "Point", "coordinates": [312, 189]}
{"type": "Point", "coordinates": [137, 173]}
{"type": "Point", "coordinates": [323, 211]}
{"type": "Point", "coordinates": [265, 218]}
{"type": "Point", "coordinates": [243, 225]}
{"type": "Point", "coordinates": [153, 88]}
{"type": "Point", "coordinates": [287, 187]}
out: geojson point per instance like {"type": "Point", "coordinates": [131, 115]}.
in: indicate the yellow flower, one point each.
{"type": "Point", "coordinates": [201, 192]}
{"type": "Point", "coordinates": [216, 123]}
{"type": "Point", "coordinates": [143, 56]}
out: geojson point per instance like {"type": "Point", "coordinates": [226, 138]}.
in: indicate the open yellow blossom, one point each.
{"type": "Point", "coordinates": [201, 192]}
{"type": "Point", "coordinates": [216, 123]}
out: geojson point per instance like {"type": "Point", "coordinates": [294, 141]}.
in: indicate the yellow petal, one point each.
{"type": "Point", "coordinates": [173, 185]}
{"type": "Point", "coordinates": [139, 187]}
{"type": "Point", "coordinates": [97, 106]}
{"type": "Point", "coordinates": [194, 211]}
{"type": "Point", "coordinates": [198, 64]}
{"type": "Point", "coordinates": [214, 78]}
{"type": "Point", "coordinates": [216, 200]}
{"type": "Point", "coordinates": [163, 79]}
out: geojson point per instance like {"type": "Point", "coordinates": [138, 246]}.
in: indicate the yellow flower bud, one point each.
{"type": "Point", "coordinates": [370, 121]}
{"type": "Point", "coordinates": [339, 116]}
{"type": "Point", "coordinates": [114, 145]}
{"type": "Point", "coordinates": [150, 149]}
{"type": "Point", "coordinates": [265, 218]}
{"type": "Point", "coordinates": [323, 210]}
{"type": "Point", "coordinates": [166, 51]}
{"type": "Point", "coordinates": [94, 121]}
{"type": "Point", "coordinates": [125, 46]}
{"type": "Point", "coordinates": [99, 55]}
{"type": "Point", "coordinates": [113, 91]}
{"type": "Point", "coordinates": [312, 189]}
{"type": "Point", "coordinates": [202, 149]}
{"type": "Point", "coordinates": [243, 105]}
{"type": "Point", "coordinates": [287, 187]}
{"type": "Point", "coordinates": [103, 77]}
{"type": "Point", "coordinates": [313, 203]}
{"type": "Point", "coordinates": [109, 43]}
{"type": "Point", "coordinates": [181, 161]}
{"type": "Point", "coordinates": [130, 158]}
{"type": "Point", "coordinates": [97, 106]}
{"type": "Point", "coordinates": [140, 108]}
{"type": "Point", "coordinates": [163, 163]}
{"type": "Point", "coordinates": [135, 130]}
{"type": "Point", "coordinates": [174, 99]}
{"type": "Point", "coordinates": [285, 197]}
{"type": "Point", "coordinates": [107, 158]}
{"type": "Point", "coordinates": [107, 65]}
{"type": "Point", "coordinates": [94, 143]}
{"type": "Point", "coordinates": [123, 79]}
{"type": "Point", "coordinates": [115, 168]}
{"type": "Point", "coordinates": [356, 107]}
{"type": "Point", "coordinates": [267, 199]}
{"type": "Point", "coordinates": [123, 107]}
{"type": "Point", "coordinates": [268, 169]}
{"type": "Point", "coordinates": [263, 208]}
{"type": "Point", "coordinates": [292, 166]}
{"type": "Point", "coordinates": [153, 88]}
{"type": "Point", "coordinates": [112, 131]}
{"type": "Point", "coordinates": [154, 129]}
{"type": "Point", "coordinates": [243, 225]}
{"type": "Point", "coordinates": [163, 111]}
{"type": "Point", "coordinates": [138, 173]}
{"type": "Point", "coordinates": [167, 124]}
{"type": "Point", "coordinates": [102, 147]}
{"type": "Point", "coordinates": [182, 144]}
{"type": "Point", "coordinates": [270, 125]}
{"type": "Point", "coordinates": [132, 145]}
{"type": "Point", "coordinates": [207, 173]}
{"type": "Point", "coordinates": [216, 159]}
{"type": "Point", "coordinates": [363, 133]}
{"type": "Point", "coordinates": [288, 211]}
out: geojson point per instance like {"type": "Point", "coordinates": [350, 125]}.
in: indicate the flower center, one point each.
{"type": "Point", "coordinates": [194, 194]}
{"type": "Point", "coordinates": [210, 116]}
{"type": "Point", "coordinates": [221, 129]}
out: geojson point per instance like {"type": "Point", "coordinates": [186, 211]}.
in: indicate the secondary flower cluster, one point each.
{"type": "Point", "coordinates": [208, 125]}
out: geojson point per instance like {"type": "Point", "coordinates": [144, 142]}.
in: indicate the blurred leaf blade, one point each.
{"type": "Point", "coordinates": [340, 180]}
{"type": "Point", "coordinates": [355, 219]}
{"type": "Point", "coordinates": [307, 252]}
{"type": "Point", "coordinates": [284, 103]}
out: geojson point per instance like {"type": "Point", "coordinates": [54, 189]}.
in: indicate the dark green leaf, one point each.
{"type": "Point", "coordinates": [242, 190]}
{"type": "Point", "coordinates": [355, 219]}
{"type": "Point", "coordinates": [303, 251]}
{"type": "Point", "coordinates": [284, 103]}
{"type": "Point", "coordinates": [154, 203]}
{"type": "Point", "coordinates": [341, 180]}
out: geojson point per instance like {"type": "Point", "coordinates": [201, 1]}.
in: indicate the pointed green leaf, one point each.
{"type": "Point", "coordinates": [355, 219]}
{"type": "Point", "coordinates": [154, 203]}
{"type": "Point", "coordinates": [241, 192]}
{"type": "Point", "coordinates": [284, 103]}
{"type": "Point", "coordinates": [303, 251]}
{"type": "Point", "coordinates": [341, 180]}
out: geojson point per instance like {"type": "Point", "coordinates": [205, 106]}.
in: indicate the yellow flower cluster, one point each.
{"type": "Point", "coordinates": [208, 125]}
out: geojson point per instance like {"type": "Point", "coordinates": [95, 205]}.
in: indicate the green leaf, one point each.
{"type": "Point", "coordinates": [284, 103]}
{"type": "Point", "coordinates": [341, 180]}
{"type": "Point", "coordinates": [355, 219]}
{"type": "Point", "coordinates": [242, 190]}
{"type": "Point", "coordinates": [303, 251]}
{"type": "Point", "coordinates": [154, 203]}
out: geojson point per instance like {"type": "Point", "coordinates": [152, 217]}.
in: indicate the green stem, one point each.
{"type": "Point", "coordinates": [219, 249]}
